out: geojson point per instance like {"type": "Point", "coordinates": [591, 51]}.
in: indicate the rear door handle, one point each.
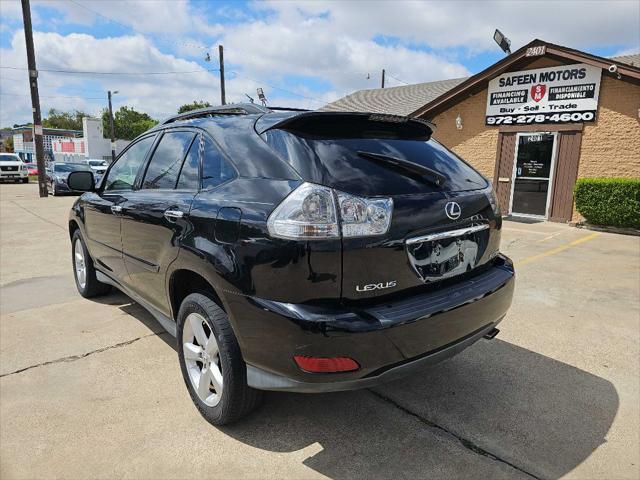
{"type": "Point", "coordinates": [116, 209]}
{"type": "Point", "coordinates": [173, 215]}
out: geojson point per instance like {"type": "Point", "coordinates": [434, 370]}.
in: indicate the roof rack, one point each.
{"type": "Point", "coordinates": [233, 109]}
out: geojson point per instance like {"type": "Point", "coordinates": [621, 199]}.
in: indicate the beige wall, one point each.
{"type": "Point", "coordinates": [476, 142]}
{"type": "Point", "coordinates": [610, 146]}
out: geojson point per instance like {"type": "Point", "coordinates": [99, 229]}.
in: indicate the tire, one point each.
{"type": "Point", "coordinates": [237, 398]}
{"type": "Point", "coordinates": [25, 180]}
{"type": "Point", "coordinates": [91, 287]}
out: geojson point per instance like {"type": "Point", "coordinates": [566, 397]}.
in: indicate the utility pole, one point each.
{"type": "Point", "coordinates": [221, 53]}
{"type": "Point", "coordinates": [383, 78]}
{"type": "Point", "coordinates": [35, 98]}
{"type": "Point", "coordinates": [113, 134]}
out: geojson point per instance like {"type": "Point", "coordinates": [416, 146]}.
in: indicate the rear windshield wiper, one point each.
{"type": "Point", "coordinates": [424, 173]}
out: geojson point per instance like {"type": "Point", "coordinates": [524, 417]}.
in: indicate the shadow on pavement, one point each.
{"type": "Point", "coordinates": [128, 306]}
{"type": "Point", "coordinates": [541, 415]}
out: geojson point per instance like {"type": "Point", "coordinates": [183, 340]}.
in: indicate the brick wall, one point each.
{"type": "Point", "coordinates": [476, 143]}
{"type": "Point", "coordinates": [611, 145]}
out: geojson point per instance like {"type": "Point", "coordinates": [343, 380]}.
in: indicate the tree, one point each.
{"type": "Point", "coordinates": [71, 120]}
{"type": "Point", "coordinates": [187, 107]}
{"type": "Point", "coordinates": [127, 122]}
{"type": "Point", "coordinates": [8, 144]}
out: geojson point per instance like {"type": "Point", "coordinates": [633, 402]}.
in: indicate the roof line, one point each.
{"type": "Point", "coordinates": [473, 82]}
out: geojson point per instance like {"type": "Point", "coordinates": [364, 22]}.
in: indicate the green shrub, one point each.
{"type": "Point", "coordinates": [609, 201]}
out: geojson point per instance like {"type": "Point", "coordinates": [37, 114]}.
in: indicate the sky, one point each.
{"type": "Point", "coordinates": [303, 54]}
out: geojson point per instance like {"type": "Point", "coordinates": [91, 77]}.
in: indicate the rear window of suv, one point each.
{"type": "Point", "coordinates": [335, 162]}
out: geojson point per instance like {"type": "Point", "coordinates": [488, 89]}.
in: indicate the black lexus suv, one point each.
{"type": "Point", "coordinates": [295, 251]}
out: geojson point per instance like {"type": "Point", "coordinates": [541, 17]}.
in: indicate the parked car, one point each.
{"type": "Point", "coordinates": [98, 166]}
{"type": "Point", "coordinates": [57, 173]}
{"type": "Point", "coordinates": [32, 168]}
{"type": "Point", "coordinates": [13, 168]}
{"type": "Point", "coordinates": [283, 249]}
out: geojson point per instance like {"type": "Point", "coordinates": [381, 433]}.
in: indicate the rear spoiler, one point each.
{"type": "Point", "coordinates": [348, 125]}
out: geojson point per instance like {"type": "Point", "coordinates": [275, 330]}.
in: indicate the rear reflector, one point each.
{"type": "Point", "coordinates": [326, 365]}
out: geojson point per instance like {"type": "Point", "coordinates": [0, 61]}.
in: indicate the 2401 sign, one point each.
{"type": "Point", "coordinates": [572, 117]}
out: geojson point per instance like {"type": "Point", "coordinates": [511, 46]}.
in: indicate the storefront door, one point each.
{"type": "Point", "coordinates": [533, 166]}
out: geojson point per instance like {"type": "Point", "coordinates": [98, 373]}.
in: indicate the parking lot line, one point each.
{"type": "Point", "coordinates": [553, 251]}
{"type": "Point", "coordinates": [522, 230]}
{"type": "Point", "coordinates": [549, 237]}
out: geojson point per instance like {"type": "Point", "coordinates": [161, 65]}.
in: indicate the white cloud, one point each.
{"type": "Point", "coordinates": [321, 50]}
{"type": "Point", "coordinates": [292, 45]}
{"type": "Point", "coordinates": [471, 24]}
{"type": "Point", "coordinates": [158, 95]}
{"type": "Point", "coordinates": [167, 18]}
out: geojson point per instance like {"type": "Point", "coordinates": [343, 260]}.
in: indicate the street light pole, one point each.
{"type": "Point", "coordinates": [113, 135]}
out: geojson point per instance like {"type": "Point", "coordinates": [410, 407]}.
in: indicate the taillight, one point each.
{"type": "Point", "coordinates": [310, 212]}
{"type": "Point", "coordinates": [493, 201]}
{"type": "Point", "coordinates": [363, 217]}
{"type": "Point", "coordinates": [326, 364]}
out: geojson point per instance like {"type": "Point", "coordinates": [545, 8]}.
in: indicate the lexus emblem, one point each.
{"type": "Point", "coordinates": [453, 210]}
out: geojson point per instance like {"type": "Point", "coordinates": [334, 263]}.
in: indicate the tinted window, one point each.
{"type": "Point", "coordinates": [122, 175]}
{"type": "Point", "coordinates": [215, 169]}
{"type": "Point", "coordinates": [335, 162]}
{"type": "Point", "coordinates": [166, 161]}
{"type": "Point", "coordinates": [191, 168]}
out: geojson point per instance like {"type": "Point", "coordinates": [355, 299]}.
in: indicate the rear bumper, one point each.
{"type": "Point", "coordinates": [387, 340]}
{"type": "Point", "coordinates": [264, 380]}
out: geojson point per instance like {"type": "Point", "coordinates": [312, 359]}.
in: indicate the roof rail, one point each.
{"type": "Point", "coordinates": [232, 109]}
{"type": "Point", "coordinates": [289, 109]}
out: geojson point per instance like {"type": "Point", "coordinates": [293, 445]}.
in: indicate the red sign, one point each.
{"type": "Point", "coordinates": [538, 91]}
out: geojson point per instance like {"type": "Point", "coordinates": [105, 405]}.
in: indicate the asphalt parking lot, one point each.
{"type": "Point", "coordinates": [92, 389]}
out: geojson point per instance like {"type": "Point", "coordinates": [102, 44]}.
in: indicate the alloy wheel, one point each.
{"type": "Point", "coordinates": [80, 264]}
{"type": "Point", "coordinates": [202, 359]}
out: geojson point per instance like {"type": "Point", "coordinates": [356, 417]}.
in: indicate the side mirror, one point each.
{"type": "Point", "coordinates": [81, 181]}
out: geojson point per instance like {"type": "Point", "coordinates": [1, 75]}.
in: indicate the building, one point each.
{"type": "Point", "coordinates": [23, 141]}
{"type": "Point", "coordinates": [533, 123]}
{"type": "Point", "coordinates": [92, 144]}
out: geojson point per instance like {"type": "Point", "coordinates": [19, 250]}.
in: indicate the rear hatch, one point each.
{"type": "Point", "coordinates": [443, 225]}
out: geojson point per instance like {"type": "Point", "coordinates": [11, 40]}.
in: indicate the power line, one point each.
{"type": "Point", "coordinates": [51, 85]}
{"type": "Point", "coordinates": [80, 72]}
{"type": "Point", "coordinates": [260, 82]}
{"type": "Point", "coordinates": [51, 96]}
{"type": "Point", "coordinates": [396, 78]}
{"type": "Point", "coordinates": [129, 27]}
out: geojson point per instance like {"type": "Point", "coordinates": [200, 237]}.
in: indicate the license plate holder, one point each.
{"type": "Point", "coordinates": [447, 254]}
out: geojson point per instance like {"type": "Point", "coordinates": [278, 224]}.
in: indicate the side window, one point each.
{"type": "Point", "coordinates": [123, 174]}
{"type": "Point", "coordinates": [166, 161]}
{"type": "Point", "coordinates": [215, 169]}
{"type": "Point", "coordinates": [190, 172]}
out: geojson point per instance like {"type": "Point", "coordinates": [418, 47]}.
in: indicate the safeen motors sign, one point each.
{"type": "Point", "coordinates": [563, 94]}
